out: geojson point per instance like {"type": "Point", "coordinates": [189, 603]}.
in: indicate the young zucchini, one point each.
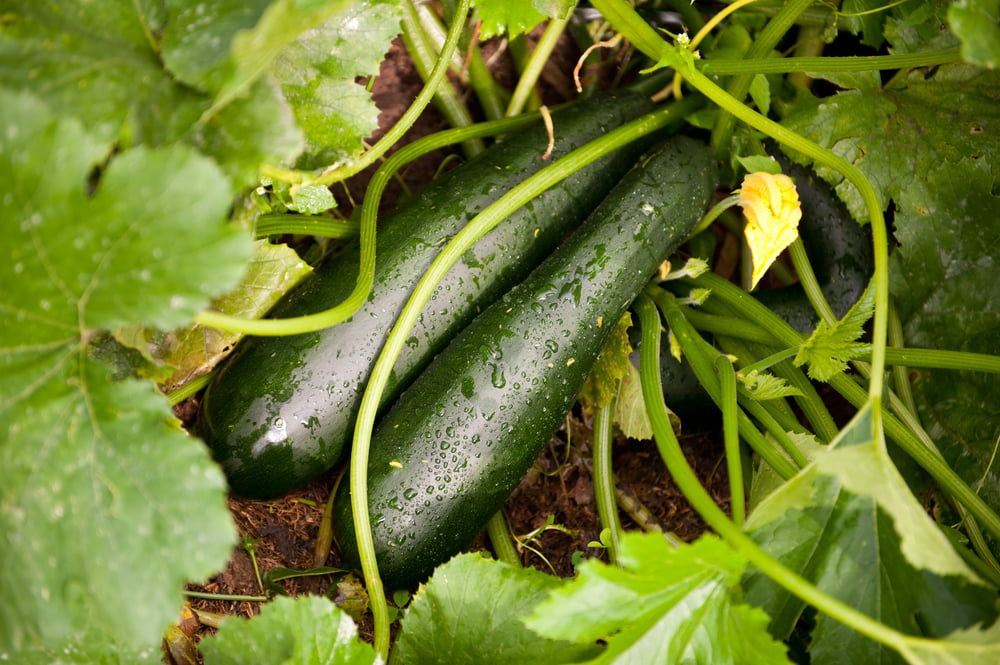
{"type": "Point", "coordinates": [840, 251]}
{"type": "Point", "coordinates": [458, 441]}
{"type": "Point", "coordinates": [281, 410]}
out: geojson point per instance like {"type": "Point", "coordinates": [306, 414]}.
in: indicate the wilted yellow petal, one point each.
{"type": "Point", "coordinates": [771, 206]}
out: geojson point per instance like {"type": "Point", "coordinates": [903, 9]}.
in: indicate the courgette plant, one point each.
{"type": "Point", "coordinates": [153, 153]}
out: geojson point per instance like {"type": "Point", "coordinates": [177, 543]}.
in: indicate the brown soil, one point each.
{"type": "Point", "coordinates": [282, 532]}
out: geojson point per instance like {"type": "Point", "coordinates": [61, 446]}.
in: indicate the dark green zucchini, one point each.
{"type": "Point", "coordinates": [840, 252]}
{"type": "Point", "coordinates": [460, 438]}
{"type": "Point", "coordinates": [281, 410]}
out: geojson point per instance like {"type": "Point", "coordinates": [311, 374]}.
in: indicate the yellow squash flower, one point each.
{"type": "Point", "coordinates": [771, 206]}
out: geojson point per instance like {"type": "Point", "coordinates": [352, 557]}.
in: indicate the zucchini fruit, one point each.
{"type": "Point", "coordinates": [840, 251]}
{"type": "Point", "coordinates": [461, 437]}
{"type": "Point", "coordinates": [280, 411]}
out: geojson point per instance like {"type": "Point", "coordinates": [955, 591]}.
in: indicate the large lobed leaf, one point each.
{"type": "Point", "coordinates": [929, 145]}
{"type": "Point", "coordinates": [470, 611]}
{"type": "Point", "coordinates": [204, 72]}
{"type": "Point", "coordinates": [317, 75]}
{"type": "Point", "coordinates": [665, 605]}
{"type": "Point", "coordinates": [309, 630]}
{"type": "Point", "coordinates": [107, 507]}
{"type": "Point", "coordinates": [848, 524]}
{"type": "Point", "coordinates": [516, 17]}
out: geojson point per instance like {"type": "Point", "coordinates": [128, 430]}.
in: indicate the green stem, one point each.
{"type": "Point", "coordinates": [728, 325]}
{"type": "Point", "coordinates": [752, 331]}
{"type": "Point", "coordinates": [775, 423]}
{"type": "Point", "coordinates": [701, 364]}
{"type": "Point", "coordinates": [809, 44]}
{"type": "Point", "coordinates": [807, 278]}
{"type": "Point", "coordinates": [812, 405]}
{"type": "Point", "coordinates": [769, 361]}
{"type": "Point", "coordinates": [502, 540]}
{"type": "Point", "coordinates": [322, 227]}
{"type": "Point", "coordinates": [324, 537]}
{"type": "Point", "coordinates": [852, 63]}
{"type": "Point", "coordinates": [604, 483]}
{"type": "Point", "coordinates": [809, 401]}
{"type": "Point", "coordinates": [762, 46]}
{"type": "Point", "coordinates": [369, 214]}
{"type": "Point", "coordinates": [851, 173]}
{"type": "Point", "coordinates": [939, 359]}
{"type": "Point", "coordinates": [447, 102]}
{"type": "Point", "coordinates": [175, 397]}
{"type": "Point", "coordinates": [690, 15]}
{"type": "Point", "coordinates": [518, 48]}
{"type": "Point", "coordinates": [491, 96]}
{"type": "Point", "coordinates": [481, 224]}
{"type": "Point", "coordinates": [786, 336]}
{"type": "Point", "coordinates": [713, 214]}
{"type": "Point", "coordinates": [403, 125]}
{"type": "Point", "coordinates": [731, 439]}
{"type": "Point", "coordinates": [692, 489]}
{"type": "Point", "coordinates": [900, 373]}
{"type": "Point", "coordinates": [745, 356]}
{"type": "Point", "coordinates": [437, 34]}
{"type": "Point", "coordinates": [226, 596]}
{"type": "Point", "coordinates": [533, 68]}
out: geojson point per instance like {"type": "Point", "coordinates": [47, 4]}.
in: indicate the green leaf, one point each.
{"type": "Point", "coordinates": [755, 163]}
{"type": "Point", "coordinates": [312, 199]}
{"type": "Point", "coordinates": [317, 74]}
{"type": "Point", "coordinates": [196, 40]}
{"type": "Point", "coordinates": [254, 128]}
{"type": "Point", "coordinates": [850, 510]}
{"type": "Point", "coordinates": [104, 67]}
{"type": "Point", "coordinates": [944, 276]}
{"type": "Point", "coordinates": [304, 631]}
{"type": "Point", "coordinates": [798, 491]}
{"type": "Point", "coordinates": [515, 17]}
{"type": "Point", "coordinates": [665, 605]}
{"type": "Point", "coordinates": [831, 347]}
{"type": "Point", "coordinates": [907, 26]}
{"type": "Point", "coordinates": [914, 125]}
{"type": "Point", "coordinates": [862, 465]}
{"type": "Point", "coordinates": [173, 358]}
{"type": "Point", "coordinates": [208, 80]}
{"type": "Point", "coordinates": [469, 613]}
{"type": "Point", "coordinates": [764, 386]}
{"type": "Point", "coordinates": [103, 494]}
{"type": "Point", "coordinates": [963, 647]}
{"type": "Point", "coordinates": [280, 25]}
{"type": "Point", "coordinates": [760, 92]}
{"type": "Point", "coordinates": [845, 545]}
{"type": "Point", "coordinates": [870, 22]}
{"type": "Point", "coordinates": [977, 24]}
{"type": "Point", "coordinates": [612, 365]}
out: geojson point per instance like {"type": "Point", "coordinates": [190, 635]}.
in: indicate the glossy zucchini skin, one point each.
{"type": "Point", "coordinates": [840, 251]}
{"type": "Point", "coordinates": [458, 441]}
{"type": "Point", "coordinates": [280, 411]}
